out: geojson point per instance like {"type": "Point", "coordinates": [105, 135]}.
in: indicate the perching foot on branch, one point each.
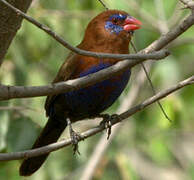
{"type": "Point", "coordinates": [75, 137]}
{"type": "Point", "coordinates": [107, 122]}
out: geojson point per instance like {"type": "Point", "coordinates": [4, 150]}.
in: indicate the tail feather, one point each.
{"type": "Point", "coordinates": [49, 134]}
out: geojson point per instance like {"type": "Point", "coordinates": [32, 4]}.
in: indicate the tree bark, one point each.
{"type": "Point", "coordinates": [10, 23]}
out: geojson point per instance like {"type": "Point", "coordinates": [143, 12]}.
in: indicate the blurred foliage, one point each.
{"type": "Point", "coordinates": [34, 58]}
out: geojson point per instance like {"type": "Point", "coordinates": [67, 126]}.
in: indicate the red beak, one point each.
{"type": "Point", "coordinates": [131, 24]}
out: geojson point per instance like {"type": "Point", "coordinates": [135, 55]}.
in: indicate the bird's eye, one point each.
{"type": "Point", "coordinates": [114, 20]}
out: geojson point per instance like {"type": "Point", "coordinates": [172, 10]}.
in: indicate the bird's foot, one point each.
{"type": "Point", "coordinates": [75, 137]}
{"type": "Point", "coordinates": [107, 122]}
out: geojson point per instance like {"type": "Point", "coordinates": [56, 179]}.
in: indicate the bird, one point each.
{"type": "Point", "coordinates": [108, 32]}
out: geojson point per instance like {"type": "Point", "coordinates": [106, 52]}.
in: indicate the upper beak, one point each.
{"type": "Point", "coordinates": [131, 24]}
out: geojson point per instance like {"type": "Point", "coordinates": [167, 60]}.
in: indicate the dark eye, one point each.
{"type": "Point", "coordinates": [114, 20]}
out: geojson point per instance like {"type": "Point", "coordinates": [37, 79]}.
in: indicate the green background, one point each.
{"type": "Point", "coordinates": [146, 143]}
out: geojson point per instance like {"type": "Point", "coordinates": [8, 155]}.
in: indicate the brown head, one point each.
{"type": "Point", "coordinates": [110, 31]}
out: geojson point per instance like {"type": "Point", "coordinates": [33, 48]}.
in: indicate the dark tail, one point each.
{"type": "Point", "coordinates": [49, 134]}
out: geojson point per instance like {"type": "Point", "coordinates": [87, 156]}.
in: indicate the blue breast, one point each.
{"type": "Point", "coordinates": [94, 99]}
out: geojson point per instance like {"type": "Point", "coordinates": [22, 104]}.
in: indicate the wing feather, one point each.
{"type": "Point", "coordinates": [64, 74]}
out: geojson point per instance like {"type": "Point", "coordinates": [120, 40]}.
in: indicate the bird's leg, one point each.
{"type": "Point", "coordinates": [107, 122]}
{"type": "Point", "coordinates": [75, 137]}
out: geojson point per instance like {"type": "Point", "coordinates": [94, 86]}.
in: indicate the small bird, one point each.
{"type": "Point", "coordinates": [108, 32]}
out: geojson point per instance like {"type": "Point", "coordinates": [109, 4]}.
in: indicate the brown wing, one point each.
{"type": "Point", "coordinates": [65, 72]}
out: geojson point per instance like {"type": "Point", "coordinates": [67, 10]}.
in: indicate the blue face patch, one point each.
{"type": "Point", "coordinates": [114, 28]}
{"type": "Point", "coordinates": [118, 17]}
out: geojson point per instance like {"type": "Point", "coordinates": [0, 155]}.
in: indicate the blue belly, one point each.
{"type": "Point", "coordinates": [94, 99]}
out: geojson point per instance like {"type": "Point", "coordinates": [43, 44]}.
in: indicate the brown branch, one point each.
{"type": "Point", "coordinates": [10, 92]}
{"type": "Point", "coordinates": [93, 131]}
{"type": "Point", "coordinates": [67, 45]}
{"type": "Point", "coordinates": [10, 23]}
{"type": "Point", "coordinates": [160, 43]}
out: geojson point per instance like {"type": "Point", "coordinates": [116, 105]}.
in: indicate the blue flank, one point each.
{"type": "Point", "coordinates": [113, 28]}
{"type": "Point", "coordinates": [95, 99]}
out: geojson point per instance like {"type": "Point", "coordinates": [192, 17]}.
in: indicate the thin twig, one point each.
{"type": "Point", "coordinates": [151, 84]}
{"type": "Point", "coordinates": [63, 42]}
{"type": "Point", "coordinates": [103, 4]}
{"type": "Point", "coordinates": [93, 131]}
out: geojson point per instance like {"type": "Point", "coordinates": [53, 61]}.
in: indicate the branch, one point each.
{"type": "Point", "coordinates": [164, 40]}
{"type": "Point", "coordinates": [9, 24]}
{"type": "Point", "coordinates": [10, 92]}
{"type": "Point", "coordinates": [93, 131]}
{"type": "Point", "coordinates": [160, 43]}
{"type": "Point", "coordinates": [64, 43]}
{"type": "Point", "coordinates": [188, 22]}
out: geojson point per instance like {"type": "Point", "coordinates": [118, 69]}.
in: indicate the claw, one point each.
{"type": "Point", "coordinates": [107, 122]}
{"type": "Point", "coordinates": [75, 137]}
